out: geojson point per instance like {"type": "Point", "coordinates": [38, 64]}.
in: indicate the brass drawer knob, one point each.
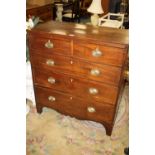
{"type": "Point", "coordinates": [51, 80]}
{"type": "Point", "coordinates": [93, 91]}
{"type": "Point", "coordinates": [50, 62]}
{"type": "Point", "coordinates": [95, 72]}
{"type": "Point", "coordinates": [126, 75]}
{"type": "Point", "coordinates": [49, 44]}
{"type": "Point", "coordinates": [71, 62]}
{"type": "Point", "coordinates": [51, 98]}
{"type": "Point", "coordinates": [91, 109]}
{"type": "Point", "coordinates": [71, 80]}
{"type": "Point", "coordinates": [96, 53]}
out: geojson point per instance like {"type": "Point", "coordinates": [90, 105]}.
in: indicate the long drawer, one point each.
{"type": "Point", "coordinates": [73, 106]}
{"type": "Point", "coordinates": [99, 53]}
{"type": "Point", "coordinates": [92, 71]}
{"type": "Point", "coordinates": [89, 90]}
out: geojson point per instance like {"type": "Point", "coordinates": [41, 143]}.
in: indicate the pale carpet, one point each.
{"type": "Point", "coordinates": [54, 134]}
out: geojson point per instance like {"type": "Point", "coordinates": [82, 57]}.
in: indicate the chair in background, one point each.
{"type": "Point", "coordinates": [114, 20]}
{"type": "Point", "coordinates": [73, 13]}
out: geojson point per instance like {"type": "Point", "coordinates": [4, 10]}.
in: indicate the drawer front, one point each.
{"type": "Point", "coordinates": [99, 54]}
{"type": "Point", "coordinates": [46, 98]}
{"type": "Point", "coordinates": [50, 45]}
{"type": "Point", "coordinates": [51, 62]}
{"type": "Point", "coordinates": [97, 72]}
{"type": "Point", "coordinates": [100, 112]}
{"type": "Point", "coordinates": [74, 106]}
{"type": "Point", "coordinates": [94, 91]}
{"type": "Point", "coordinates": [64, 103]}
{"type": "Point", "coordinates": [92, 71]}
{"type": "Point", "coordinates": [53, 80]}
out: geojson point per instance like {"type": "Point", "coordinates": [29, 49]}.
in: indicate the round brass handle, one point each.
{"type": "Point", "coordinates": [95, 72]}
{"type": "Point", "coordinates": [51, 80]}
{"type": "Point", "coordinates": [50, 62]}
{"type": "Point", "coordinates": [51, 98]}
{"type": "Point", "coordinates": [93, 91]}
{"type": "Point", "coordinates": [71, 80]}
{"type": "Point", "coordinates": [126, 75]}
{"type": "Point", "coordinates": [49, 44]}
{"type": "Point", "coordinates": [97, 53]}
{"type": "Point", "coordinates": [91, 109]}
{"type": "Point", "coordinates": [71, 62]}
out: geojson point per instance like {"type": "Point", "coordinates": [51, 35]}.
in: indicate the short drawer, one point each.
{"type": "Point", "coordinates": [63, 103]}
{"type": "Point", "coordinates": [51, 62]}
{"type": "Point", "coordinates": [50, 45]}
{"type": "Point", "coordinates": [99, 54]}
{"type": "Point", "coordinates": [97, 72]}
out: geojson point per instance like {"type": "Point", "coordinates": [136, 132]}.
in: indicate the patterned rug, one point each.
{"type": "Point", "coordinates": [51, 133]}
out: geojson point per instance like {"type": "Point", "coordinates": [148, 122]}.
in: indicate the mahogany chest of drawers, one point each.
{"type": "Point", "coordinates": [78, 70]}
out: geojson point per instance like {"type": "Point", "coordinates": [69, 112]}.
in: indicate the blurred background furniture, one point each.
{"type": "Point", "coordinates": [95, 8]}
{"type": "Point", "coordinates": [59, 9]}
{"type": "Point", "coordinates": [44, 11]}
{"type": "Point", "coordinates": [120, 6]}
{"type": "Point", "coordinates": [72, 14]}
{"type": "Point", "coordinates": [114, 20]}
{"type": "Point", "coordinates": [124, 8]}
{"type": "Point", "coordinates": [77, 12]}
{"type": "Point", "coordinates": [84, 6]}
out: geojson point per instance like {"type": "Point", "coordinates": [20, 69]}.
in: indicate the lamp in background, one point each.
{"type": "Point", "coordinates": [95, 8]}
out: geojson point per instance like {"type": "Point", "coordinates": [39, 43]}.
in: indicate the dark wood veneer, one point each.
{"type": "Point", "coordinates": [110, 56]}
{"type": "Point", "coordinates": [71, 65]}
{"type": "Point", "coordinates": [108, 74]}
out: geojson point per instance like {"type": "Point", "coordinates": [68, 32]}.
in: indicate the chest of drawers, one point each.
{"type": "Point", "coordinates": [78, 70]}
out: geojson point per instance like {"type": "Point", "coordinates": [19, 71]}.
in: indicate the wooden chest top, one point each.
{"type": "Point", "coordinates": [111, 36]}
